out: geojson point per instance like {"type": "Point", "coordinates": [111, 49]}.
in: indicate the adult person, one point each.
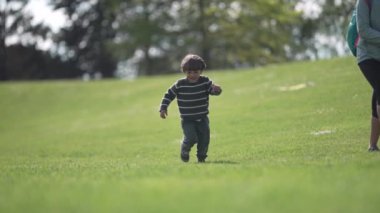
{"type": "Point", "coordinates": [368, 58]}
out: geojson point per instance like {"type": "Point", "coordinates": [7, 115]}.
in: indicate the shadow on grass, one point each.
{"type": "Point", "coordinates": [222, 162]}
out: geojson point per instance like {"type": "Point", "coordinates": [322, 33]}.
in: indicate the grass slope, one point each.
{"type": "Point", "coordinates": [286, 138]}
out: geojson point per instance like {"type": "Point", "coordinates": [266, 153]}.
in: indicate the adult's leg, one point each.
{"type": "Point", "coordinates": [371, 71]}
{"type": "Point", "coordinates": [375, 124]}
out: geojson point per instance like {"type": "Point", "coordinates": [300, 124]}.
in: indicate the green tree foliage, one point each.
{"type": "Point", "coordinates": [141, 33]}
{"type": "Point", "coordinates": [15, 22]}
{"type": "Point", "coordinates": [90, 26]}
{"type": "Point", "coordinates": [154, 35]}
{"type": "Point", "coordinates": [226, 33]}
{"type": "Point", "coordinates": [257, 32]}
{"type": "Point", "coordinates": [330, 24]}
{"type": "Point", "coordinates": [30, 63]}
{"type": "Point", "coordinates": [334, 21]}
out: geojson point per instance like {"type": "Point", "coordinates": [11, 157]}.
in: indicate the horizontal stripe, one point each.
{"type": "Point", "coordinates": [194, 107]}
{"type": "Point", "coordinates": [182, 100]}
{"type": "Point", "coordinates": [192, 86]}
{"type": "Point", "coordinates": [190, 114]}
{"type": "Point", "coordinates": [192, 93]}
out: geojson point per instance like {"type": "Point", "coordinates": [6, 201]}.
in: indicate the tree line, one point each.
{"type": "Point", "coordinates": [153, 35]}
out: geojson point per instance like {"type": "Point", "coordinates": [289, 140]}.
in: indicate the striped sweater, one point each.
{"type": "Point", "coordinates": [192, 98]}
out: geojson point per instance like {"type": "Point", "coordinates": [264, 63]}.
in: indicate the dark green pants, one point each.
{"type": "Point", "coordinates": [196, 132]}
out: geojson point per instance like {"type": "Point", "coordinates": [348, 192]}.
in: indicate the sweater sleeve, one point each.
{"type": "Point", "coordinates": [365, 30]}
{"type": "Point", "coordinates": [209, 85]}
{"type": "Point", "coordinates": [169, 96]}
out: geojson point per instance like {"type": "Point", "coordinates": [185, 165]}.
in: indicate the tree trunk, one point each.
{"type": "Point", "coordinates": [3, 50]}
{"type": "Point", "coordinates": [147, 68]}
{"type": "Point", "coordinates": [3, 61]}
{"type": "Point", "coordinates": [205, 49]}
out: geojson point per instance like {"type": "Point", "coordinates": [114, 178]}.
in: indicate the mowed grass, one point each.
{"type": "Point", "coordinates": [284, 138]}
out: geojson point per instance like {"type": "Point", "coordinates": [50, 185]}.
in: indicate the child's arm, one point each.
{"type": "Point", "coordinates": [166, 100]}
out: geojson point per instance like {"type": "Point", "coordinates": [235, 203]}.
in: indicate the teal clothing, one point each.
{"type": "Point", "coordinates": [368, 23]}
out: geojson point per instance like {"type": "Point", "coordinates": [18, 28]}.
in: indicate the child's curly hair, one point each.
{"type": "Point", "coordinates": [192, 62]}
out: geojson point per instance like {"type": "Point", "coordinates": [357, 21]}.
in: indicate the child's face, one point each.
{"type": "Point", "coordinates": [193, 75]}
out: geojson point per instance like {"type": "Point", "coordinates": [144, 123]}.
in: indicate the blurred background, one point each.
{"type": "Point", "coordinates": [95, 39]}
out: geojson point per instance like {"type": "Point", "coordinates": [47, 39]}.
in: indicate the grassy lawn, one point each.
{"type": "Point", "coordinates": [284, 138]}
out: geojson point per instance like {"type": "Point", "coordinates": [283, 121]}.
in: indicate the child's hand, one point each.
{"type": "Point", "coordinates": [215, 89]}
{"type": "Point", "coordinates": [163, 114]}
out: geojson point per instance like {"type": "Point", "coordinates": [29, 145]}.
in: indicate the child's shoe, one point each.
{"type": "Point", "coordinates": [185, 157]}
{"type": "Point", "coordinates": [201, 160]}
{"type": "Point", "coordinates": [185, 151]}
{"type": "Point", "coordinates": [373, 149]}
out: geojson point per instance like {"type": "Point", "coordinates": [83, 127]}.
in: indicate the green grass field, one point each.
{"type": "Point", "coordinates": [284, 138]}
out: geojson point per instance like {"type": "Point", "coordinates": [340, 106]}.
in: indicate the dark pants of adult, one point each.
{"type": "Point", "coordinates": [371, 70]}
{"type": "Point", "coordinates": [196, 132]}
